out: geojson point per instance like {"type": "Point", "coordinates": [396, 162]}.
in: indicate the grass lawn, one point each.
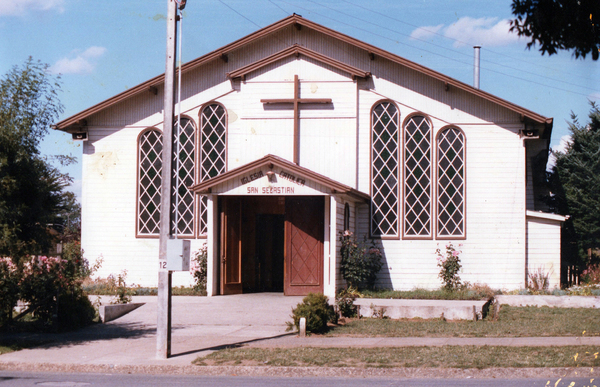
{"type": "Point", "coordinates": [442, 357]}
{"type": "Point", "coordinates": [511, 322]}
{"type": "Point", "coordinates": [8, 348]}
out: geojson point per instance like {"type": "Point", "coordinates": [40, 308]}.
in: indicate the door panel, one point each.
{"type": "Point", "coordinates": [231, 252]}
{"type": "Point", "coordinates": [304, 245]}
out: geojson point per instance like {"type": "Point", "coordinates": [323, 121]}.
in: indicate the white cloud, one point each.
{"type": "Point", "coordinates": [485, 31]}
{"type": "Point", "coordinates": [22, 7]}
{"type": "Point", "coordinates": [425, 32]}
{"type": "Point", "coordinates": [561, 147]}
{"type": "Point", "coordinates": [594, 97]}
{"type": "Point", "coordinates": [83, 63]}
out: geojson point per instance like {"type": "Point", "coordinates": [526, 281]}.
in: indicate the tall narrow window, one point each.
{"type": "Point", "coordinates": [417, 178]}
{"type": "Point", "coordinates": [183, 177]}
{"type": "Point", "coordinates": [451, 183]}
{"type": "Point", "coordinates": [213, 143]}
{"type": "Point", "coordinates": [149, 180]}
{"type": "Point", "coordinates": [384, 170]}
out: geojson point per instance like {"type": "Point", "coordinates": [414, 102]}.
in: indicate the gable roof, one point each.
{"type": "Point", "coordinates": [297, 50]}
{"type": "Point", "coordinates": [272, 161]}
{"type": "Point", "coordinates": [299, 22]}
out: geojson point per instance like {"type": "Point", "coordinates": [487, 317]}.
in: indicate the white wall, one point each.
{"type": "Point", "coordinates": [543, 249]}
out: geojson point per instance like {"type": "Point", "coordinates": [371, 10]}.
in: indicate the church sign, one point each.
{"type": "Point", "coordinates": [270, 182]}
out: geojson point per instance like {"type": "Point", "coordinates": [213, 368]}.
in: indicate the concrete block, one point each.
{"type": "Point", "coordinates": [113, 312]}
{"type": "Point", "coordinates": [551, 301]}
{"type": "Point", "coordinates": [425, 309]}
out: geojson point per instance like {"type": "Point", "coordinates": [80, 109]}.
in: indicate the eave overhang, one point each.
{"type": "Point", "coordinates": [271, 161]}
{"type": "Point", "coordinates": [546, 216]}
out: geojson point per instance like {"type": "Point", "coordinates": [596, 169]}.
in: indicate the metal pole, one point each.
{"type": "Point", "coordinates": [163, 327]}
{"type": "Point", "coordinates": [476, 67]}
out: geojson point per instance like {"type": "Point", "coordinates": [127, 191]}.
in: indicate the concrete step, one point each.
{"type": "Point", "coordinates": [425, 309]}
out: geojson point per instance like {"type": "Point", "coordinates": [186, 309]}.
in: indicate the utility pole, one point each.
{"type": "Point", "coordinates": [163, 327]}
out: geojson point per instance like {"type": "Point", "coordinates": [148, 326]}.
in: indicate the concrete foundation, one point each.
{"type": "Point", "coordinates": [552, 301]}
{"type": "Point", "coordinates": [425, 309]}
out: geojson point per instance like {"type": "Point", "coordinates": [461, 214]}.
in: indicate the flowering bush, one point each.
{"type": "Point", "coordinates": [51, 286]}
{"type": "Point", "coordinates": [199, 268]}
{"type": "Point", "coordinates": [591, 275]}
{"type": "Point", "coordinates": [449, 263]}
{"type": "Point", "coordinates": [360, 262]}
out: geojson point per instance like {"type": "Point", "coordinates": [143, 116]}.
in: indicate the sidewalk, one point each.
{"type": "Point", "coordinates": [202, 325]}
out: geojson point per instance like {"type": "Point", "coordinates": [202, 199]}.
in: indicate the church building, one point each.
{"type": "Point", "coordinates": [296, 133]}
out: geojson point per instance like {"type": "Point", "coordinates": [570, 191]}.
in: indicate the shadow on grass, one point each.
{"type": "Point", "coordinates": [232, 345]}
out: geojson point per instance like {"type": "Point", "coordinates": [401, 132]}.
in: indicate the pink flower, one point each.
{"type": "Point", "coordinates": [455, 253]}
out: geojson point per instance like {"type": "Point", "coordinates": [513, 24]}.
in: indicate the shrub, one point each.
{"type": "Point", "coordinates": [74, 310]}
{"type": "Point", "coordinates": [538, 280]}
{"type": "Point", "coordinates": [345, 302]}
{"type": "Point", "coordinates": [316, 310]}
{"type": "Point", "coordinates": [591, 275]}
{"type": "Point", "coordinates": [51, 286]}
{"type": "Point", "coordinates": [122, 294]}
{"type": "Point", "coordinates": [360, 263]}
{"type": "Point", "coordinates": [199, 269]}
{"type": "Point", "coordinates": [9, 289]}
{"type": "Point", "coordinates": [449, 264]}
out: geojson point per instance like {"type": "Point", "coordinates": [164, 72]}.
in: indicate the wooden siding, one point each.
{"type": "Point", "coordinates": [109, 210]}
{"type": "Point", "coordinates": [335, 142]}
{"type": "Point", "coordinates": [543, 249]}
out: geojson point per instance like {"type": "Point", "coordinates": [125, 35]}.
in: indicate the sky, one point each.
{"type": "Point", "coordinates": [102, 48]}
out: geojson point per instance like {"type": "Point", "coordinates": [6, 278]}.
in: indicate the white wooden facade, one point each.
{"type": "Point", "coordinates": [502, 236]}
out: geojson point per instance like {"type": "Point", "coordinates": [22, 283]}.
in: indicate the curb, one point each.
{"type": "Point", "coordinates": [347, 372]}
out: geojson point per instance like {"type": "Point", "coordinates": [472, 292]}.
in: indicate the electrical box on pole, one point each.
{"type": "Point", "coordinates": [178, 255]}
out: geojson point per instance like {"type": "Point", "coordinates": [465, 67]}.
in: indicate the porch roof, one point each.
{"type": "Point", "coordinates": [271, 161]}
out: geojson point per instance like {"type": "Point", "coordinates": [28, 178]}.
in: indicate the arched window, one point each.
{"type": "Point", "coordinates": [384, 169]}
{"type": "Point", "coordinates": [213, 144]}
{"type": "Point", "coordinates": [451, 183]}
{"type": "Point", "coordinates": [183, 177]}
{"type": "Point", "coordinates": [149, 180]}
{"type": "Point", "coordinates": [417, 178]}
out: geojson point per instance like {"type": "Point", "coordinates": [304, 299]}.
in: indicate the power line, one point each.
{"type": "Point", "coordinates": [418, 48]}
{"type": "Point", "coordinates": [454, 51]}
{"type": "Point", "coordinates": [457, 40]}
{"type": "Point", "coordinates": [275, 4]}
{"type": "Point", "coordinates": [437, 54]}
{"type": "Point", "coordinates": [462, 42]}
{"type": "Point", "coordinates": [222, 2]}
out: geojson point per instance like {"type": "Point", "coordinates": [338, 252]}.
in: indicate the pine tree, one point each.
{"type": "Point", "coordinates": [576, 178]}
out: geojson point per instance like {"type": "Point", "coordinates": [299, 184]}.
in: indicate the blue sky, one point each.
{"type": "Point", "coordinates": [102, 48]}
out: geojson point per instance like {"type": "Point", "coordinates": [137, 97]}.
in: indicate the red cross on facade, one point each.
{"type": "Point", "coordinates": [296, 101]}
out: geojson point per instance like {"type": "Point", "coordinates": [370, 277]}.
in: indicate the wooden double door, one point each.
{"type": "Point", "coordinates": [271, 244]}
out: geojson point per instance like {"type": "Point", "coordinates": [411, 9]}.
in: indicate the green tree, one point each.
{"type": "Point", "coordinates": [31, 188]}
{"type": "Point", "coordinates": [575, 181]}
{"type": "Point", "coordinates": [559, 25]}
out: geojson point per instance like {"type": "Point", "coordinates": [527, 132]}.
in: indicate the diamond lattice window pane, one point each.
{"type": "Point", "coordinates": [149, 180]}
{"type": "Point", "coordinates": [182, 199]}
{"type": "Point", "coordinates": [417, 177]}
{"type": "Point", "coordinates": [384, 170]}
{"type": "Point", "coordinates": [213, 151]}
{"type": "Point", "coordinates": [451, 183]}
